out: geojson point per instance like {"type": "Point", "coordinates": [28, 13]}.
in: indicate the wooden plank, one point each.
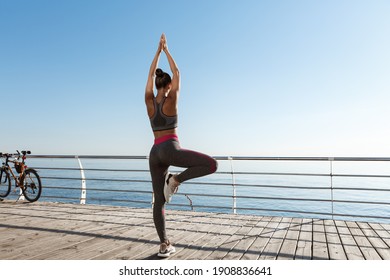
{"type": "Point", "coordinates": [289, 246]}
{"type": "Point", "coordinates": [305, 239]}
{"type": "Point", "coordinates": [320, 247]}
{"type": "Point", "coordinates": [385, 233]}
{"type": "Point", "coordinates": [362, 241]}
{"type": "Point", "coordinates": [386, 227]}
{"type": "Point", "coordinates": [380, 246]}
{"type": "Point", "coordinates": [7, 216]}
{"type": "Point", "coordinates": [188, 244]}
{"type": "Point", "coordinates": [272, 249]}
{"type": "Point", "coordinates": [200, 245]}
{"type": "Point", "coordinates": [225, 248]}
{"type": "Point", "coordinates": [382, 232]}
{"type": "Point", "coordinates": [213, 244]}
{"type": "Point", "coordinates": [335, 247]}
{"type": "Point", "coordinates": [246, 241]}
{"type": "Point", "coordinates": [221, 228]}
{"type": "Point", "coordinates": [350, 246]}
{"type": "Point", "coordinates": [260, 239]}
{"type": "Point", "coordinates": [230, 243]}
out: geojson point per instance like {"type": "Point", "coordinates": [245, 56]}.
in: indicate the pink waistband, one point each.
{"type": "Point", "coordinates": [164, 138]}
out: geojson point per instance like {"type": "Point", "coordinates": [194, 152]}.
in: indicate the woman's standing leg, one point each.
{"type": "Point", "coordinates": [158, 171]}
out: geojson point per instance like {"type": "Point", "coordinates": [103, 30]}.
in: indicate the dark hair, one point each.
{"type": "Point", "coordinates": [162, 79]}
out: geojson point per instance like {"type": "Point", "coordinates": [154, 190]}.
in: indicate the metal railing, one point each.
{"type": "Point", "coordinates": [233, 188]}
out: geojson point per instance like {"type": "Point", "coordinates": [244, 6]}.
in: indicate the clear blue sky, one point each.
{"type": "Point", "coordinates": [259, 78]}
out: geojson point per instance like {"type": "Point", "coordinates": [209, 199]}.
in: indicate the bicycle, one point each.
{"type": "Point", "coordinates": [28, 179]}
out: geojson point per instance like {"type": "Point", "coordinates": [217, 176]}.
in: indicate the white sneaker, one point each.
{"type": "Point", "coordinates": [166, 250]}
{"type": "Point", "coordinates": [167, 189]}
{"type": "Point", "coordinates": [170, 187]}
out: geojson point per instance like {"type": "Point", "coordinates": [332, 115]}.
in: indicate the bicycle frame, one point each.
{"type": "Point", "coordinates": [7, 167]}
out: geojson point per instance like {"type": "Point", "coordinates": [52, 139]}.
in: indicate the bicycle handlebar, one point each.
{"type": "Point", "coordinates": [18, 154]}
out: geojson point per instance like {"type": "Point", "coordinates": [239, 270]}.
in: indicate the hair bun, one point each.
{"type": "Point", "coordinates": [159, 72]}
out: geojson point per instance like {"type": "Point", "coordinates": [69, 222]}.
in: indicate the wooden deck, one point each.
{"type": "Point", "coordinates": [67, 231]}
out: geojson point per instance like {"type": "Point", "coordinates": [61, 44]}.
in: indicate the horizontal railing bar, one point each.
{"type": "Point", "coordinates": [228, 173]}
{"type": "Point", "coordinates": [223, 158]}
{"type": "Point", "coordinates": [361, 189]}
{"type": "Point", "coordinates": [305, 158]}
{"type": "Point", "coordinates": [312, 174]}
{"type": "Point", "coordinates": [362, 202]}
{"type": "Point", "coordinates": [60, 197]}
{"type": "Point", "coordinates": [97, 189]}
{"type": "Point", "coordinates": [201, 206]}
{"type": "Point", "coordinates": [289, 199]}
{"type": "Point", "coordinates": [281, 187]}
{"type": "Point", "coordinates": [60, 178]}
{"type": "Point", "coordinates": [120, 200]}
{"type": "Point", "coordinates": [91, 169]}
{"type": "Point", "coordinates": [97, 179]}
{"type": "Point", "coordinates": [309, 188]}
{"type": "Point", "coordinates": [360, 176]}
{"type": "Point", "coordinates": [97, 199]}
{"type": "Point", "coordinates": [87, 157]}
{"type": "Point", "coordinates": [280, 174]}
{"type": "Point", "coordinates": [60, 188]}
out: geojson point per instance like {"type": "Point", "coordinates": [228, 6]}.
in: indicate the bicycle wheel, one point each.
{"type": "Point", "coordinates": [32, 187]}
{"type": "Point", "coordinates": [5, 183]}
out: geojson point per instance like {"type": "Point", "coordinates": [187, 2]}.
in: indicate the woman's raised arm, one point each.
{"type": "Point", "coordinates": [172, 64]}
{"type": "Point", "coordinates": [149, 84]}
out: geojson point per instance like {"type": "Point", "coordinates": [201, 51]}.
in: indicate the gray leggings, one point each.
{"type": "Point", "coordinates": [165, 154]}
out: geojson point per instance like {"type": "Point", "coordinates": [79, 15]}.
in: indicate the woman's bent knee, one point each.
{"type": "Point", "coordinates": [213, 165]}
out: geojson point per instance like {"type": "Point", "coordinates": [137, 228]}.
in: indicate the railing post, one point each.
{"type": "Point", "coordinates": [233, 185]}
{"type": "Point", "coordinates": [83, 197]}
{"type": "Point", "coordinates": [21, 195]}
{"type": "Point", "coordinates": [331, 184]}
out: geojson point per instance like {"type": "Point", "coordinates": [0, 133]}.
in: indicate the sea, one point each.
{"type": "Point", "coordinates": [357, 190]}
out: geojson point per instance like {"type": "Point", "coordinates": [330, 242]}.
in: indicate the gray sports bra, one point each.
{"type": "Point", "coordinates": [160, 121]}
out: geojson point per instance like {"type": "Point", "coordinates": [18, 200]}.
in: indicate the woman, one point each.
{"type": "Point", "coordinates": [166, 151]}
